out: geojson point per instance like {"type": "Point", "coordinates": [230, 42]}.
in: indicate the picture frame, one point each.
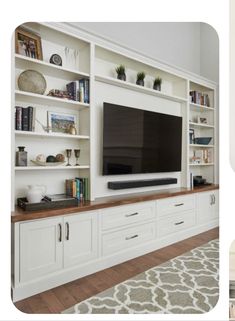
{"type": "Point", "coordinates": [62, 123]}
{"type": "Point", "coordinates": [202, 120]}
{"type": "Point", "coordinates": [28, 44]}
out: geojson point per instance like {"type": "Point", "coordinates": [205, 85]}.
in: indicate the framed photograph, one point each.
{"type": "Point", "coordinates": [28, 44]}
{"type": "Point", "coordinates": [62, 123]}
{"type": "Point", "coordinates": [202, 120]}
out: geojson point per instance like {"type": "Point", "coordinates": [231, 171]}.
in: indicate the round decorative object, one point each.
{"type": "Point", "coordinates": [56, 60]}
{"type": "Point", "coordinates": [60, 158]}
{"type": "Point", "coordinates": [50, 159]}
{"type": "Point", "coordinates": [41, 158]}
{"type": "Point", "coordinates": [32, 81]}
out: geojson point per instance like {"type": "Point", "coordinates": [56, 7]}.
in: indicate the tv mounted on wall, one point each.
{"type": "Point", "coordinates": [139, 141]}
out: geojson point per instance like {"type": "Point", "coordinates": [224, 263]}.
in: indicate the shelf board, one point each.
{"type": "Point", "coordinates": [49, 99]}
{"type": "Point", "coordinates": [201, 125]}
{"type": "Point", "coordinates": [51, 66]}
{"type": "Point", "coordinates": [201, 145]}
{"type": "Point", "coordinates": [206, 164]}
{"type": "Point", "coordinates": [201, 107]}
{"type": "Point", "coordinates": [141, 89]}
{"type": "Point", "coordinates": [38, 168]}
{"type": "Point", "coordinates": [49, 135]}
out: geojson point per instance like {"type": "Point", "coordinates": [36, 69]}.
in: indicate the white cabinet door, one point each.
{"type": "Point", "coordinates": [207, 206]}
{"type": "Point", "coordinates": [40, 248]}
{"type": "Point", "coordinates": [80, 238]}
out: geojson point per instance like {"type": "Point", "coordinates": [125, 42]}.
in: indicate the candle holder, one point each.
{"type": "Point", "coordinates": [77, 155]}
{"type": "Point", "coordinates": [68, 154]}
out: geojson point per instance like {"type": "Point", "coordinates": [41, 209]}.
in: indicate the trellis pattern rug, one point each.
{"type": "Point", "coordinates": [186, 284]}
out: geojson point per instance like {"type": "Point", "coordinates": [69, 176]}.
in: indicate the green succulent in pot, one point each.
{"type": "Point", "coordinates": [157, 83]}
{"type": "Point", "coordinates": [140, 78]}
{"type": "Point", "coordinates": [121, 72]}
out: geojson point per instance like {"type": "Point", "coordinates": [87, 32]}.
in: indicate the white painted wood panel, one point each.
{"type": "Point", "coordinates": [41, 250]}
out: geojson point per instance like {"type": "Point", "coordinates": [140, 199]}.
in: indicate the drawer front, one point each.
{"type": "Point", "coordinates": [121, 240]}
{"type": "Point", "coordinates": [175, 204]}
{"type": "Point", "coordinates": [128, 214]}
{"type": "Point", "coordinates": [175, 223]}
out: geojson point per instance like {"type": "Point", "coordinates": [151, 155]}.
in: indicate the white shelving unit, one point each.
{"type": "Point", "coordinates": [206, 168]}
{"type": "Point", "coordinates": [75, 55]}
{"type": "Point", "coordinates": [96, 60]}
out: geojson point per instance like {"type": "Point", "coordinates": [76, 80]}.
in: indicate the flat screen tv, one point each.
{"type": "Point", "coordinates": [139, 141]}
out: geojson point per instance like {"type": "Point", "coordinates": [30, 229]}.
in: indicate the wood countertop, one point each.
{"type": "Point", "coordinates": [104, 202]}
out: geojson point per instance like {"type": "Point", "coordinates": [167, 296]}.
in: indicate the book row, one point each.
{"type": "Point", "coordinates": [199, 98]}
{"type": "Point", "coordinates": [79, 90]}
{"type": "Point", "coordinates": [78, 187]}
{"type": "Point", "coordinates": [24, 118]}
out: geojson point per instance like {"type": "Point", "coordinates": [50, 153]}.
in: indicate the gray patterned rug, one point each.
{"type": "Point", "coordinates": [186, 284]}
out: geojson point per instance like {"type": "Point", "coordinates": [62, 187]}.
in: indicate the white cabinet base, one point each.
{"type": "Point", "coordinates": [58, 278]}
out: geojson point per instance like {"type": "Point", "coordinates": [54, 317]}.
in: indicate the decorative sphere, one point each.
{"type": "Point", "coordinates": [51, 159]}
{"type": "Point", "coordinates": [60, 158]}
{"type": "Point", "coordinates": [41, 158]}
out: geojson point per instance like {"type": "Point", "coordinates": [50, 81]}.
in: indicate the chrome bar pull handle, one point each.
{"type": "Point", "coordinates": [132, 214]}
{"type": "Point", "coordinates": [179, 223]}
{"type": "Point", "coordinates": [67, 231]}
{"type": "Point", "coordinates": [180, 204]}
{"type": "Point", "coordinates": [131, 237]}
{"type": "Point", "coordinates": [60, 232]}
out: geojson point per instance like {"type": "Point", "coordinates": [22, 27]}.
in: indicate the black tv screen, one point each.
{"type": "Point", "coordinates": [139, 141]}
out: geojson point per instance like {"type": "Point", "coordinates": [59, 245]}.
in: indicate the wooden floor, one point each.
{"type": "Point", "coordinates": [64, 296]}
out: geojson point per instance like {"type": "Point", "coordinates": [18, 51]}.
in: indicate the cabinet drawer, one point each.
{"type": "Point", "coordinates": [175, 223]}
{"type": "Point", "coordinates": [175, 204]}
{"type": "Point", "coordinates": [127, 214]}
{"type": "Point", "coordinates": [121, 240]}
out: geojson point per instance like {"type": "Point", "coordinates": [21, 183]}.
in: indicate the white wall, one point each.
{"type": "Point", "coordinates": [192, 46]}
{"type": "Point", "coordinates": [209, 52]}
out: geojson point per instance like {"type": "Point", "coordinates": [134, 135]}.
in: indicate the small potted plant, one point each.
{"type": "Point", "coordinates": [140, 78]}
{"type": "Point", "coordinates": [157, 83]}
{"type": "Point", "coordinates": [120, 70]}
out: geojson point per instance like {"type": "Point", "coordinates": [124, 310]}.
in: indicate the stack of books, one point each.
{"type": "Point", "coordinates": [199, 98]}
{"type": "Point", "coordinates": [25, 118]}
{"type": "Point", "coordinates": [78, 187]}
{"type": "Point", "coordinates": [79, 90]}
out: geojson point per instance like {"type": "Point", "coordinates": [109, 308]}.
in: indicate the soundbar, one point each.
{"type": "Point", "coordinates": [141, 183]}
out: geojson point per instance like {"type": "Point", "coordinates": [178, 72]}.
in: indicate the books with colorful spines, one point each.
{"type": "Point", "coordinates": [69, 187]}
{"type": "Point", "coordinates": [86, 91]}
{"type": "Point", "coordinates": [81, 91]}
{"type": "Point", "coordinates": [18, 118]}
{"type": "Point", "coordinates": [77, 188]}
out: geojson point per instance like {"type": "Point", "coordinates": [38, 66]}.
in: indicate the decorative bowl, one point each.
{"type": "Point", "coordinates": [46, 163]}
{"type": "Point", "coordinates": [32, 81]}
{"type": "Point", "coordinates": [202, 140]}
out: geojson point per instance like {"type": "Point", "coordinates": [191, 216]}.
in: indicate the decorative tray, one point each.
{"type": "Point", "coordinates": [45, 204]}
{"type": "Point", "coordinates": [47, 163]}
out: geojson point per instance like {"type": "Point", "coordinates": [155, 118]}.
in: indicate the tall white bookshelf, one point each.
{"type": "Point", "coordinates": [96, 60]}
{"type": "Point", "coordinates": [75, 55]}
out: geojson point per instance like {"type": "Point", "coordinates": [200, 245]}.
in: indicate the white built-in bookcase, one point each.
{"type": "Point", "coordinates": [96, 59]}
